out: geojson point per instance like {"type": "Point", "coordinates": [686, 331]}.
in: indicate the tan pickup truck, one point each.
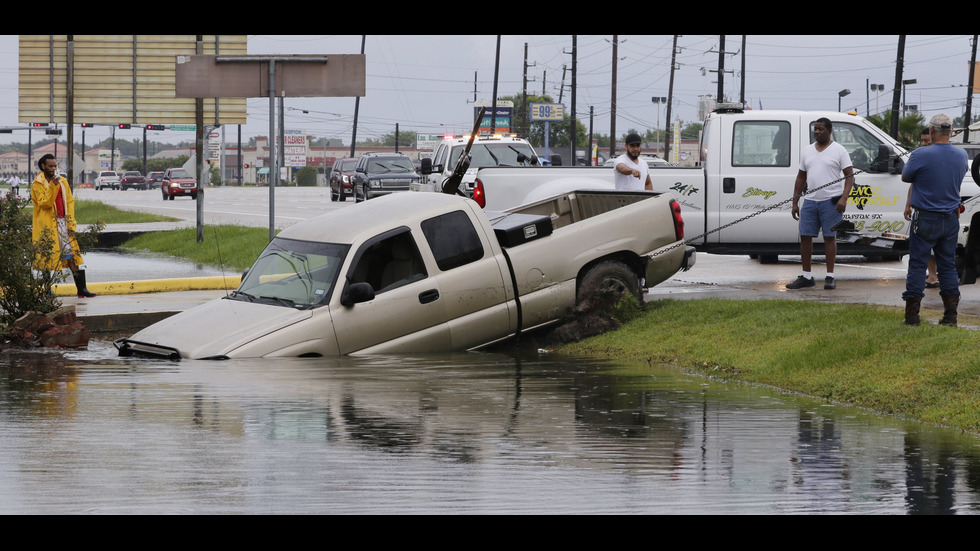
{"type": "Point", "coordinates": [427, 272]}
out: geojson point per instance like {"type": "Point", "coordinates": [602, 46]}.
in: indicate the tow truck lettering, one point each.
{"type": "Point", "coordinates": [883, 226]}
{"type": "Point", "coordinates": [752, 192]}
{"type": "Point", "coordinates": [862, 196]}
{"type": "Point", "coordinates": [683, 189]}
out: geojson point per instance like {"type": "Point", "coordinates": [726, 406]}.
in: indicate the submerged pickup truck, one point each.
{"type": "Point", "coordinates": [739, 200]}
{"type": "Point", "coordinates": [423, 272]}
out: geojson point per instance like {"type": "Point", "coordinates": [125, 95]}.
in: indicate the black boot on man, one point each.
{"type": "Point", "coordinates": [79, 277]}
{"type": "Point", "coordinates": [912, 310]}
{"type": "Point", "coordinates": [950, 303]}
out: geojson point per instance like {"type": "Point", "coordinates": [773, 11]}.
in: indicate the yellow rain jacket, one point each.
{"type": "Point", "coordinates": [43, 194]}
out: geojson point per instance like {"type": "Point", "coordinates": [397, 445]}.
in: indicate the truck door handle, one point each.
{"type": "Point", "coordinates": [728, 185]}
{"type": "Point", "coordinates": [426, 297]}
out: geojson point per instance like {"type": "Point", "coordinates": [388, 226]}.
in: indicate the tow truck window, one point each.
{"type": "Point", "coordinates": [452, 239]}
{"type": "Point", "coordinates": [761, 143]}
{"type": "Point", "coordinates": [860, 144]}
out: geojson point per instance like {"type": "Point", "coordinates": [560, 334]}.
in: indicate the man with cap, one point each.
{"type": "Point", "coordinates": [631, 173]}
{"type": "Point", "coordinates": [934, 174]}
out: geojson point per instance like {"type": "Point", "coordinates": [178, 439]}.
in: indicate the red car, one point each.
{"type": "Point", "coordinates": [342, 179]}
{"type": "Point", "coordinates": [132, 179]}
{"type": "Point", "coordinates": [178, 182]}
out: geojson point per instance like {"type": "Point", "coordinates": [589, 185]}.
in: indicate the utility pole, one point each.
{"type": "Point", "coordinates": [357, 105]}
{"type": "Point", "coordinates": [670, 96]}
{"type": "Point", "coordinates": [612, 107]}
{"type": "Point", "coordinates": [742, 80]}
{"type": "Point", "coordinates": [572, 125]}
{"type": "Point", "coordinates": [969, 91]}
{"type": "Point", "coordinates": [721, 69]}
{"type": "Point", "coordinates": [897, 93]}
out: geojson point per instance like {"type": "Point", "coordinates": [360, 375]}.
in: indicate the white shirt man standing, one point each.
{"type": "Point", "coordinates": [631, 173]}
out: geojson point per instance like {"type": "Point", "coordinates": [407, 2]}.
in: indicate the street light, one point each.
{"type": "Point", "coordinates": [658, 100]}
{"type": "Point", "coordinates": [904, 83]}
{"type": "Point", "coordinates": [877, 88]}
{"type": "Point", "coordinates": [840, 95]}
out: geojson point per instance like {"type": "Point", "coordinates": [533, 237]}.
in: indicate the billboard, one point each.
{"type": "Point", "coordinates": [117, 79]}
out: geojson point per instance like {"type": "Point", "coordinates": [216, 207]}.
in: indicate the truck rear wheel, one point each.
{"type": "Point", "coordinates": [608, 281]}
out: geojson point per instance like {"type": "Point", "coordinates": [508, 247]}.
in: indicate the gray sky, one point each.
{"type": "Point", "coordinates": [426, 82]}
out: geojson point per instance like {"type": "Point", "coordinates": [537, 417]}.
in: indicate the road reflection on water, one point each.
{"type": "Point", "coordinates": [86, 432]}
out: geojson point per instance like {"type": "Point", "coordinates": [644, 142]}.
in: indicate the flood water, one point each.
{"type": "Point", "coordinates": [89, 433]}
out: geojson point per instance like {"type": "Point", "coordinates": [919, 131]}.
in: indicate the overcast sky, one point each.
{"type": "Point", "coordinates": [426, 82]}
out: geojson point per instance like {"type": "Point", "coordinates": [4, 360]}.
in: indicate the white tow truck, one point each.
{"type": "Point", "coordinates": [738, 201]}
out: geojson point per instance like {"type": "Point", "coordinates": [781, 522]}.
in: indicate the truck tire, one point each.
{"type": "Point", "coordinates": [608, 280]}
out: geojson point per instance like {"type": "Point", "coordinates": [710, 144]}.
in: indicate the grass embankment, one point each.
{"type": "Point", "coordinates": [90, 212]}
{"type": "Point", "coordinates": [859, 355]}
{"type": "Point", "coordinates": [229, 247]}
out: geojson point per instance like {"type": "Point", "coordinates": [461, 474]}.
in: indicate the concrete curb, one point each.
{"type": "Point", "coordinates": [212, 283]}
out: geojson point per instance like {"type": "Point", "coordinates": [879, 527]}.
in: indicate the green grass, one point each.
{"type": "Point", "coordinates": [90, 212]}
{"type": "Point", "coordinates": [228, 247]}
{"type": "Point", "coordinates": [859, 355]}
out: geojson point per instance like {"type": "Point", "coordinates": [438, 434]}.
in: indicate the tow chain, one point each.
{"type": "Point", "coordinates": [766, 209]}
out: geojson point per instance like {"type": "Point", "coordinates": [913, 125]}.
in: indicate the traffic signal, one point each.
{"type": "Point", "coordinates": [87, 125]}
{"type": "Point", "coordinates": [124, 126]}
{"type": "Point", "coordinates": [38, 124]}
{"type": "Point", "coordinates": [155, 127]}
{"type": "Point", "coordinates": [246, 165]}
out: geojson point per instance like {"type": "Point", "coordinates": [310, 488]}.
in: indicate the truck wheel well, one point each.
{"type": "Point", "coordinates": [627, 258]}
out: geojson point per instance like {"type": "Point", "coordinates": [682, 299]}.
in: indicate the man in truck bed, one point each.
{"type": "Point", "coordinates": [821, 162]}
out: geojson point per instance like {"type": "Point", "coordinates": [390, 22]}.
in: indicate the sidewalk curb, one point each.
{"type": "Point", "coordinates": [212, 283]}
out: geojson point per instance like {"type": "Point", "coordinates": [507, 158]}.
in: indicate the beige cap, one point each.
{"type": "Point", "coordinates": [940, 121]}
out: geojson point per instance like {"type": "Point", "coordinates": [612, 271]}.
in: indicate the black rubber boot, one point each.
{"type": "Point", "coordinates": [950, 303]}
{"type": "Point", "coordinates": [79, 278]}
{"type": "Point", "coordinates": [912, 310]}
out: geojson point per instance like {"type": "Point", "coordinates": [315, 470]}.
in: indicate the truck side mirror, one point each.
{"type": "Point", "coordinates": [425, 166]}
{"type": "Point", "coordinates": [357, 292]}
{"type": "Point", "coordinates": [887, 161]}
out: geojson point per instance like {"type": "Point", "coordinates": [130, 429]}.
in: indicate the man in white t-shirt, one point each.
{"type": "Point", "coordinates": [631, 173]}
{"type": "Point", "coordinates": [15, 185]}
{"type": "Point", "coordinates": [821, 163]}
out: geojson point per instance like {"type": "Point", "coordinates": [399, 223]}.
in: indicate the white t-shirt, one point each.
{"type": "Point", "coordinates": [628, 182]}
{"type": "Point", "coordinates": [823, 167]}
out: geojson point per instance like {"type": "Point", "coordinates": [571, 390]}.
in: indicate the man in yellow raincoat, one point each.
{"type": "Point", "coordinates": [54, 213]}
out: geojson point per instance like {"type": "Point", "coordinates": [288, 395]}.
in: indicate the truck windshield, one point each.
{"type": "Point", "coordinates": [494, 154]}
{"type": "Point", "coordinates": [293, 274]}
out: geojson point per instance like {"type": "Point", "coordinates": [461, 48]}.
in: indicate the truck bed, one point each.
{"type": "Point", "coordinates": [580, 205]}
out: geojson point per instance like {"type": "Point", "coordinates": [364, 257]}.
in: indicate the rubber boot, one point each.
{"type": "Point", "coordinates": [950, 303]}
{"type": "Point", "coordinates": [79, 278]}
{"type": "Point", "coordinates": [912, 310]}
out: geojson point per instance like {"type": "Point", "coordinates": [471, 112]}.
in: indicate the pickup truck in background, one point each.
{"type": "Point", "coordinates": [486, 151]}
{"type": "Point", "coordinates": [739, 200]}
{"type": "Point", "coordinates": [107, 179]}
{"type": "Point", "coordinates": [425, 272]}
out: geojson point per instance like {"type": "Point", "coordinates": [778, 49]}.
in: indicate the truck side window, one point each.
{"type": "Point", "coordinates": [452, 239]}
{"type": "Point", "coordinates": [761, 143]}
{"type": "Point", "coordinates": [390, 263]}
{"type": "Point", "coordinates": [860, 144]}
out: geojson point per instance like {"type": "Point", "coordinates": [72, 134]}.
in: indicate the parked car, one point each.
{"type": "Point", "coordinates": [107, 178]}
{"type": "Point", "coordinates": [378, 174]}
{"type": "Point", "coordinates": [154, 179]}
{"type": "Point", "coordinates": [177, 181]}
{"type": "Point", "coordinates": [132, 179]}
{"type": "Point", "coordinates": [342, 179]}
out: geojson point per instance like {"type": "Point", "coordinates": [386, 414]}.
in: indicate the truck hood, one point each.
{"type": "Point", "coordinates": [212, 330]}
